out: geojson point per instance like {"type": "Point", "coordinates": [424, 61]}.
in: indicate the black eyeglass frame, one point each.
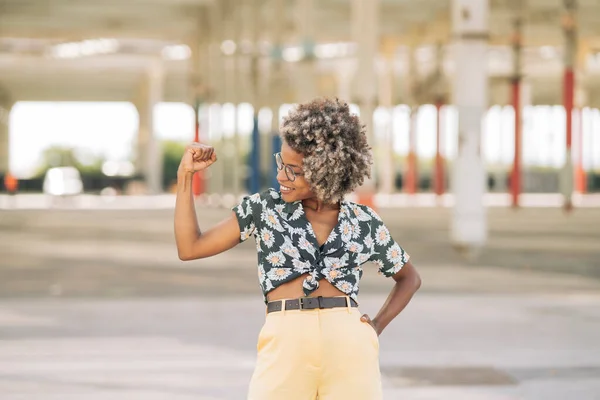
{"type": "Point", "coordinates": [289, 172]}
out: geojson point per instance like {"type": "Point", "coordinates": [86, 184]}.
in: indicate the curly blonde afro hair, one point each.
{"type": "Point", "coordinates": [337, 157]}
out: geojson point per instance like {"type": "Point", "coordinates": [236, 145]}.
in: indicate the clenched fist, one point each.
{"type": "Point", "coordinates": [197, 157]}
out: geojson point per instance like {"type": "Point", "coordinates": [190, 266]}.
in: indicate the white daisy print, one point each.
{"type": "Point", "coordinates": [344, 211]}
{"type": "Point", "coordinates": [344, 286]}
{"type": "Point", "coordinates": [354, 247]}
{"type": "Point", "coordinates": [289, 249]}
{"type": "Point", "coordinates": [382, 235]}
{"type": "Point", "coordinates": [279, 274]}
{"type": "Point", "coordinates": [309, 230]}
{"type": "Point", "coordinates": [261, 272]}
{"type": "Point", "coordinates": [360, 214]}
{"type": "Point", "coordinates": [394, 254]}
{"type": "Point", "coordinates": [301, 266]}
{"type": "Point", "coordinates": [332, 236]}
{"type": "Point", "coordinates": [244, 212]}
{"type": "Point", "coordinates": [267, 237]}
{"type": "Point", "coordinates": [268, 285]}
{"type": "Point", "coordinates": [335, 263]}
{"type": "Point", "coordinates": [279, 208]}
{"type": "Point", "coordinates": [346, 231]}
{"type": "Point", "coordinates": [286, 244]}
{"type": "Point", "coordinates": [245, 234]}
{"type": "Point", "coordinates": [379, 264]}
{"type": "Point", "coordinates": [333, 274]}
{"type": "Point", "coordinates": [304, 244]}
{"type": "Point", "coordinates": [297, 214]}
{"type": "Point", "coordinates": [374, 214]}
{"type": "Point", "coordinates": [276, 259]}
{"type": "Point", "coordinates": [297, 231]}
{"type": "Point", "coordinates": [258, 244]}
{"type": "Point", "coordinates": [271, 219]}
{"type": "Point", "coordinates": [363, 258]}
{"type": "Point", "coordinates": [255, 198]}
{"type": "Point", "coordinates": [355, 229]}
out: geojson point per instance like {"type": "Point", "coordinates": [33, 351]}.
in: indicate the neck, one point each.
{"type": "Point", "coordinates": [318, 205]}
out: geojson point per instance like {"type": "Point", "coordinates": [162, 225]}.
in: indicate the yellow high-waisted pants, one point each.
{"type": "Point", "coordinates": [329, 354]}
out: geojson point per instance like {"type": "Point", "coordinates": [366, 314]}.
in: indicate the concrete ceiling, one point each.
{"type": "Point", "coordinates": [29, 28]}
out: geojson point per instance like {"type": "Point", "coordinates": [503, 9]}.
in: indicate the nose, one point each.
{"type": "Point", "coordinates": [281, 175]}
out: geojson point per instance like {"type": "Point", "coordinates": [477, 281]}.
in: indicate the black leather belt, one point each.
{"type": "Point", "coordinates": [310, 303]}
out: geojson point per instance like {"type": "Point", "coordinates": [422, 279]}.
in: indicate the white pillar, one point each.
{"type": "Point", "coordinates": [277, 83]}
{"type": "Point", "coordinates": [306, 84]}
{"type": "Point", "coordinates": [365, 15]}
{"type": "Point", "coordinates": [216, 89]}
{"type": "Point", "coordinates": [470, 26]}
{"type": "Point", "coordinates": [149, 159]}
{"type": "Point", "coordinates": [500, 174]}
{"type": "Point", "coordinates": [386, 96]}
{"type": "Point", "coordinates": [569, 25]}
{"type": "Point", "coordinates": [230, 47]}
{"type": "Point", "coordinates": [243, 35]}
{"type": "Point", "coordinates": [5, 107]}
{"type": "Point", "coordinates": [216, 85]}
{"type": "Point", "coordinates": [344, 76]}
{"type": "Point", "coordinates": [4, 138]}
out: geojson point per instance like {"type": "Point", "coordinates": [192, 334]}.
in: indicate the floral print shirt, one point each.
{"type": "Point", "coordinates": [287, 245]}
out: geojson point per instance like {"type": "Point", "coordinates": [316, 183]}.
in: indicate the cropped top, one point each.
{"type": "Point", "coordinates": [287, 246]}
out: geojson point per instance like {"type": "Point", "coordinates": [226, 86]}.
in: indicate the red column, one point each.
{"type": "Point", "coordinates": [568, 94]}
{"type": "Point", "coordinates": [569, 81]}
{"type": "Point", "coordinates": [410, 177]}
{"type": "Point", "coordinates": [439, 160]}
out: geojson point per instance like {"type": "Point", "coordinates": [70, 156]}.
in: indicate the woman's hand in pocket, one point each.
{"type": "Point", "coordinates": [366, 319]}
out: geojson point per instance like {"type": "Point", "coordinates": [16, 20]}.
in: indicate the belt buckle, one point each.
{"type": "Point", "coordinates": [318, 299]}
{"type": "Point", "coordinates": [301, 303]}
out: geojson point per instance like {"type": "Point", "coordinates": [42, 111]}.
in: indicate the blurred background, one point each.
{"type": "Point", "coordinates": [484, 120]}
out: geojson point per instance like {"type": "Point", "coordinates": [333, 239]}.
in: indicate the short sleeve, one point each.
{"type": "Point", "coordinates": [387, 254]}
{"type": "Point", "coordinates": [246, 213]}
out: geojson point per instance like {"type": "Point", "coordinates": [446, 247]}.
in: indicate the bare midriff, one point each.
{"type": "Point", "coordinates": [293, 290]}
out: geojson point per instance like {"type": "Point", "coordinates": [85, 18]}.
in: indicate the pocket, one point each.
{"type": "Point", "coordinates": [266, 333]}
{"type": "Point", "coordinates": [371, 334]}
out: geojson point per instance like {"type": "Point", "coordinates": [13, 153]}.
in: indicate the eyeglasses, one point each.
{"type": "Point", "coordinates": [289, 172]}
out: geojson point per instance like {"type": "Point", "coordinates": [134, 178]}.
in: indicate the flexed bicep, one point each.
{"type": "Point", "coordinates": [221, 237]}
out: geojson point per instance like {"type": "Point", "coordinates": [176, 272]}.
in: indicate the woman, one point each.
{"type": "Point", "coordinates": [311, 244]}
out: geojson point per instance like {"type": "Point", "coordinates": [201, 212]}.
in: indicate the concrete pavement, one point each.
{"type": "Point", "coordinates": [442, 347]}
{"type": "Point", "coordinates": [95, 305]}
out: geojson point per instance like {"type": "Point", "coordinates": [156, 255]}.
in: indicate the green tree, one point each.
{"type": "Point", "coordinates": [62, 156]}
{"type": "Point", "coordinates": [172, 152]}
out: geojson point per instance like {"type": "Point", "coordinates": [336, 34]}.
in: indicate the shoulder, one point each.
{"type": "Point", "coordinates": [362, 212]}
{"type": "Point", "coordinates": [269, 198]}
{"type": "Point", "coordinates": [272, 195]}
{"type": "Point", "coordinates": [265, 198]}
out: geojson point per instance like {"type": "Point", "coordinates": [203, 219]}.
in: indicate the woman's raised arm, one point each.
{"type": "Point", "coordinates": [191, 242]}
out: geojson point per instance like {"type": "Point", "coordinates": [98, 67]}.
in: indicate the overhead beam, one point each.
{"type": "Point", "coordinates": [175, 33]}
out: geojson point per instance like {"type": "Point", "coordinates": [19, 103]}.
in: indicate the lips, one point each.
{"type": "Point", "coordinates": [285, 189]}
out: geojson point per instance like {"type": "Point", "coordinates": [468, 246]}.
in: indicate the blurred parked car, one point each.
{"type": "Point", "coordinates": [63, 181]}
